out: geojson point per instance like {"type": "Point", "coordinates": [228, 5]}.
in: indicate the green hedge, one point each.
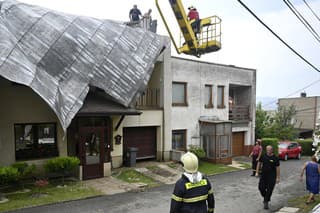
{"type": "Point", "coordinates": [8, 174]}
{"type": "Point", "coordinates": [306, 146]}
{"type": "Point", "coordinates": [272, 142]}
{"type": "Point", "coordinates": [25, 170]}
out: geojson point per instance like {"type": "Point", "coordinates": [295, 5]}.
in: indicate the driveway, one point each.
{"type": "Point", "coordinates": [235, 192]}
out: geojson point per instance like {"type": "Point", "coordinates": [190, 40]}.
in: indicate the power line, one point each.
{"type": "Point", "coordinates": [309, 85]}
{"type": "Point", "coordinates": [253, 14]}
{"type": "Point", "coordinates": [311, 10]}
{"type": "Point", "coordinates": [302, 19]}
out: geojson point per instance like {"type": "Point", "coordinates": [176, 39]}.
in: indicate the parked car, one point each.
{"type": "Point", "coordinates": [289, 149]}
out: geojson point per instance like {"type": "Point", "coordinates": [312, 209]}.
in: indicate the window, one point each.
{"type": "Point", "coordinates": [220, 102]}
{"type": "Point", "coordinates": [179, 94]}
{"type": "Point", "coordinates": [179, 140]}
{"type": "Point", "coordinates": [35, 141]}
{"type": "Point", "coordinates": [208, 96]}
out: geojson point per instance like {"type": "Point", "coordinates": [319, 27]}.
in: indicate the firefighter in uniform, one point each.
{"type": "Point", "coordinates": [192, 192]}
{"type": "Point", "coordinates": [270, 175]}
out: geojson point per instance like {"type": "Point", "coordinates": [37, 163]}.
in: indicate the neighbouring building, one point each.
{"type": "Point", "coordinates": [213, 106]}
{"type": "Point", "coordinates": [307, 110]}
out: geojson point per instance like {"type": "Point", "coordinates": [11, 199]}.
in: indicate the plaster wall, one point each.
{"type": "Point", "coordinates": [20, 104]}
{"type": "Point", "coordinates": [197, 74]}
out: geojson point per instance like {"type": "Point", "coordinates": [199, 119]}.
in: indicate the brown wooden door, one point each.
{"type": "Point", "coordinates": [237, 143]}
{"type": "Point", "coordinates": [93, 151]}
{"type": "Point", "coordinates": [143, 138]}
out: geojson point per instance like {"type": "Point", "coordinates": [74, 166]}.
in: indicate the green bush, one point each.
{"type": "Point", "coordinates": [272, 142]}
{"type": "Point", "coordinates": [8, 175]}
{"type": "Point", "coordinates": [198, 151]}
{"type": "Point", "coordinates": [306, 146]}
{"type": "Point", "coordinates": [25, 170]}
{"type": "Point", "coordinates": [62, 165]}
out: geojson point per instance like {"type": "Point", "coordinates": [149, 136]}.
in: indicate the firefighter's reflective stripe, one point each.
{"type": "Point", "coordinates": [195, 199]}
{"type": "Point", "coordinates": [189, 200]}
{"type": "Point", "coordinates": [193, 185]}
{"type": "Point", "coordinates": [210, 191]}
{"type": "Point", "coordinates": [176, 198]}
{"type": "Point", "coordinates": [210, 209]}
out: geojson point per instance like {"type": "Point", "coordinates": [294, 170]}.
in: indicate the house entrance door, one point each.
{"type": "Point", "coordinates": [93, 149]}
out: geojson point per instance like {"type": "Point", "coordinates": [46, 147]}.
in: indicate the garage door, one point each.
{"type": "Point", "coordinates": [144, 138]}
{"type": "Point", "coordinates": [237, 143]}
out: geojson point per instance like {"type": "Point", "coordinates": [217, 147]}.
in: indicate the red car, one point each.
{"type": "Point", "coordinates": [289, 149]}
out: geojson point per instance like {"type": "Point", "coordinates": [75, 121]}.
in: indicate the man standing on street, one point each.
{"type": "Point", "coordinates": [270, 174]}
{"type": "Point", "coordinates": [192, 191]}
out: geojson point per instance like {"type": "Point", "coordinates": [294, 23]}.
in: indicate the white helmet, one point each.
{"type": "Point", "coordinates": [190, 162]}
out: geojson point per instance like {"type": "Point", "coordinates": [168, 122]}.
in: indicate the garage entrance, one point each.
{"type": "Point", "coordinates": [237, 143]}
{"type": "Point", "coordinates": [144, 138]}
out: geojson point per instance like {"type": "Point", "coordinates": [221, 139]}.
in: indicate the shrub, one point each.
{"type": "Point", "coordinates": [272, 142]}
{"type": "Point", "coordinates": [8, 175]}
{"type": "Point", "coordinates": [24, 169]}
{"type": "Point", "coordinates": [306, 146]}
{"type": "Point", "coordinates": [198, 151]}
{"type": "Point", "coordinates": [62, 165]}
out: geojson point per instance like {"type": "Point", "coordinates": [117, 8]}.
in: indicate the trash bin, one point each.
{"type": "Point", "coordinates": [131, 156]}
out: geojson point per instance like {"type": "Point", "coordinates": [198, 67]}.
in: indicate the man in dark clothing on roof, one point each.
{"type": "Point", "coordinates": [192, 192]}
{"type": "Point", "coordinates": [135, 14]}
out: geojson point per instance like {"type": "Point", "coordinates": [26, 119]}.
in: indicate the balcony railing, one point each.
{"type": "Point", "coordinates": [239, 113]}
{"type": "Point", "coordinates": [150, 99]}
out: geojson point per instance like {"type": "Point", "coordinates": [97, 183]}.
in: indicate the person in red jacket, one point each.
{"type": "Point", "coordinates": [194, 15]}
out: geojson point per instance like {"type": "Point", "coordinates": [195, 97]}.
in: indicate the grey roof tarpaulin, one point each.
{"type": "Point", "coordinates": [59, 55]}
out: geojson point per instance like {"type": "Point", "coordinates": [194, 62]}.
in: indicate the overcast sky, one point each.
{"type": "Point", "coordinates": [245, 42]}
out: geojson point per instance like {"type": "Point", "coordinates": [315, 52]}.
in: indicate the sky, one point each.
{"type": "Point", "coordinates": [245, 42]}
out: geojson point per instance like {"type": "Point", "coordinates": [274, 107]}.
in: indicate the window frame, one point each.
{"type": "Point", "coordinates": [185, 84]}
{"type": "Point", "coordinates": [210, 104]}
{"type": "Point", "coordinates": [184, 136]}
{"type": "Point", "coordinates": [55, 145]}
{"type": "Point", "coordinates": [222, 105]}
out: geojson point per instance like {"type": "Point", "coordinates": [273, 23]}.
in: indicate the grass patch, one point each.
{"type": "Point", "coordinates": [245, 165]}
{"type": "Point", "coordinates": [132, 176]}
{"type": "Point", "coordinates": [300, 202]}
{"type": "Point", "coordinates": [47, 195]}
{"type": "Point", "coordinates": [210, 168]}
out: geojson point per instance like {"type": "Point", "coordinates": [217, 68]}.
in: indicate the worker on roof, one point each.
{"type": "Point", "coordinates": [192, 192]}
{"type": "Point", "coordinates": [134, 14]}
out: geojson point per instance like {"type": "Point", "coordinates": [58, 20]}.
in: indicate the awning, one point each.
{"type": "Point", "coordinates": [98, 104]}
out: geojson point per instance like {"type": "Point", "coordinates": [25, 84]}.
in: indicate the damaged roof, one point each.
{"type": "Point", "coordinates": [59, 55]}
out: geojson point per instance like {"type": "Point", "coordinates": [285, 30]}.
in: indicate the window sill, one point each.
{"type": "Point", "coordinates": [180, 104]}
{"type": "Point", "coordinates": [208, 106]}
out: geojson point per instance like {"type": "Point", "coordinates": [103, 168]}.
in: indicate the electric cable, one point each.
{"type": "Point", "coordinates": [309, 85]}
{"type": "Point", "coordinates": [302, 19]}
{"type": "Point", "coordinates": [300, 56]}
{"type": "Point", "coordinates": [311, 10]}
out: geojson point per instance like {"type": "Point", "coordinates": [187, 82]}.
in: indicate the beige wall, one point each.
{"type": "Point", "coordinates": [19, 104]}
{"type": "Point", "coordinates": [307, 110]}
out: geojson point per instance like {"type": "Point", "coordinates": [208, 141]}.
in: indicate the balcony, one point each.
{"type": "Point", "coordinates": [239, 113]}
{"type": "Point", "coordinates": [150, 99]}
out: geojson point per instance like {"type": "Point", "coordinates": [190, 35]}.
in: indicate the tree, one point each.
{"type": "Point", "coordinates": [261, 121]}
{"type": "Point", "coordinates": [282, 124]}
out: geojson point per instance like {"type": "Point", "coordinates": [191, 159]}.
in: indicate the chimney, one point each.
{"type": "Point", "coordinates": [303, 94]}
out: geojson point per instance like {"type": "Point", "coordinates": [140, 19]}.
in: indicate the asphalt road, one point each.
{"type": "Point", "coordinates": [235, 192]}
